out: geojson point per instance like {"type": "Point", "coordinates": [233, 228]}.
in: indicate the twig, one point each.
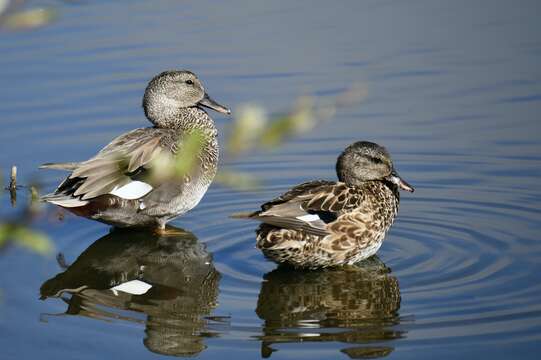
{"type": "Point", "coordinates": [13, 186]}
{"type": "Point", "coordinates": [13, 178]}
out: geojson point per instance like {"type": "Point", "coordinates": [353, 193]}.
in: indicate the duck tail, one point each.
{"type": "Point", "coordinates": [63, 200]}
{"type": "Point", "coordinates": [68, 166]}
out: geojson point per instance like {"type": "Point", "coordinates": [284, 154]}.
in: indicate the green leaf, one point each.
{"type": "Point", "coordinates": [30, 19]}
{"type": "Point", "coordinates": [25, 237]}
{"type": "Point", "coordinates": [191, 148]}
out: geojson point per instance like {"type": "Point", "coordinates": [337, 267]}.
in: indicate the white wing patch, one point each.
{"type": "Point", "coordinates": [132, 190]}
{"type": "Point", "coordinates": [134, 287]}
{"type": "Point", "coordinates": [308, 217]}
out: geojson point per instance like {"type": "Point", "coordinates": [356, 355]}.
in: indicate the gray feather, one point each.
{"type": "Point", "coordinates": [68, 166]}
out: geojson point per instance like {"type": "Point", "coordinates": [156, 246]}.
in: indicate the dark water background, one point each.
{"type": "Point", "coordinates": [454, 92]}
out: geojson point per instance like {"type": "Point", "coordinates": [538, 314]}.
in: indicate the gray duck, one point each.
{"type": "Point", "coordinates": [114, 186]}
{"type": "Point", "coordinates": [327, 223]}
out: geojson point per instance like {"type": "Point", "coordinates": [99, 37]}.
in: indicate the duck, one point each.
{"type": "Point", "coordinates": [321, 223]}
{"type": "Point", "coordinates": [116, 185]}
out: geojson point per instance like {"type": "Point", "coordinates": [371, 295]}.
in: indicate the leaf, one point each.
{"type": "Point", "coordinates": [25, 237]}
{"type": "Point", "coordinates": [246, 129]}
{"type": "Point", "coordinates": [166, 167]}
{"type": "Point", "coordinates": [192, 145]}
{"type": "Point", "coordinates": [30, 19]}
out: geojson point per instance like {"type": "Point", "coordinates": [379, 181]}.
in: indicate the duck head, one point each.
{"type": "Point", "coordinates": [367, 161]}
{"type": "Point", "coordinates": [172, 90]}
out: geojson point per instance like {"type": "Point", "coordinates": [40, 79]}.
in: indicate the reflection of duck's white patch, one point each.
{"type": "Point", "coordinates": [299, 309]}
{"type": "Point", "coordinates": [132, 190]}
{"type": "Point", "coordinates": [309, 217]}
{"type": "Point", "coordinates": [309, 324]}
{"type": "Point", "coordinates": [134, 287]}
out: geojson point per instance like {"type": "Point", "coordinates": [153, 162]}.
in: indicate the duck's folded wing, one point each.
{"type": "Point", "coordinates": [309, 206]}
{"type": "Point", "coordinates": [118, 169]}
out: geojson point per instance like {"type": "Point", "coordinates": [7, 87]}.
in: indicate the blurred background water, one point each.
{"type": "Point", "coordinates": [454, 92]}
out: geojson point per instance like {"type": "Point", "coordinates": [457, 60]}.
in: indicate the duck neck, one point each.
{"type": "Point", "coordinates": [180, 118]}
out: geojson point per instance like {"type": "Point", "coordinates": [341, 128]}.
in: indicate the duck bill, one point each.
{"type": "Point", "coordinates": [395, 179]}
{"type": "Point", "coordinates": [211, 104]}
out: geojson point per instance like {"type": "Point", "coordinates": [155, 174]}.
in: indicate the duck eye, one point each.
{"type": "Point", "coordinates": [376, 160]}
{"type": "Point", "coordinates": [189, 82]}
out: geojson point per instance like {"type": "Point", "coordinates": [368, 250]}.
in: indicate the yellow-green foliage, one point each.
{"type": "Point", "coordinates": [22, 235]}
{"type": "Point", "coordinates": [29, 19]}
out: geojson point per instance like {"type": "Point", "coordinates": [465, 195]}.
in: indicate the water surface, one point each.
{"type": "Point", "coordinates": [454, 93]}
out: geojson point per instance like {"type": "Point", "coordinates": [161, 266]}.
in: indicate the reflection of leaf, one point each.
{"type": "Point", "coordinates": [35, 203]}
{"type": "Point", "coordinates": [25, 237]}
{"type": "Point", "coordinates": [237, 180]}
{"type": "Point", "coordinates": [30, 19]}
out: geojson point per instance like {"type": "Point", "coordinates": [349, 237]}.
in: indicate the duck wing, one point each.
{"type": "Point", "coordinates": [309, 206]}
{"type": "Point", "coordinates": [69, 166]}
{"type": "Point", "coordinates": [118, 169]}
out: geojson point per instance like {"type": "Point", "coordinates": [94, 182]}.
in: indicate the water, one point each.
{"type": "Point", "coordinates": [454, 93]}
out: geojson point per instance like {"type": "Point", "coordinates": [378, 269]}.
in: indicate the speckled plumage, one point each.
{"type": "Point", "coordinates": [323, 223]}
{"type": "Point", "coordinates": [363, 216]}
{"type": "Point", "coordinates": [172, 102]}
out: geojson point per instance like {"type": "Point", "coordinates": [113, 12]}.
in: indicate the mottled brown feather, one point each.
{"type": "Point", "coordinates": [307, 198]}
{"type": "Point", "coordinates": [363, 215]}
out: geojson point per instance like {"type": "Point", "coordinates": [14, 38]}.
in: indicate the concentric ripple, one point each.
{"type": "Point", "coordinates": [453, 93]}
{"type": "Point", "coordinates": [454, 250]}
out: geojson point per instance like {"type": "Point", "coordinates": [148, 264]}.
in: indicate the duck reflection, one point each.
{"type": "Point", "coordinates": [355, 304]}
{"type": "Point", "coordinates": [169, 278]}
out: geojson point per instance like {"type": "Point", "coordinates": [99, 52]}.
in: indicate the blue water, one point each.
{"type": "Point", "coordinates": [454, 93]}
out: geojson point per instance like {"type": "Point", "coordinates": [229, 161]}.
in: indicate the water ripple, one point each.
{"type": "Point", "coordinates": [447, 249]}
